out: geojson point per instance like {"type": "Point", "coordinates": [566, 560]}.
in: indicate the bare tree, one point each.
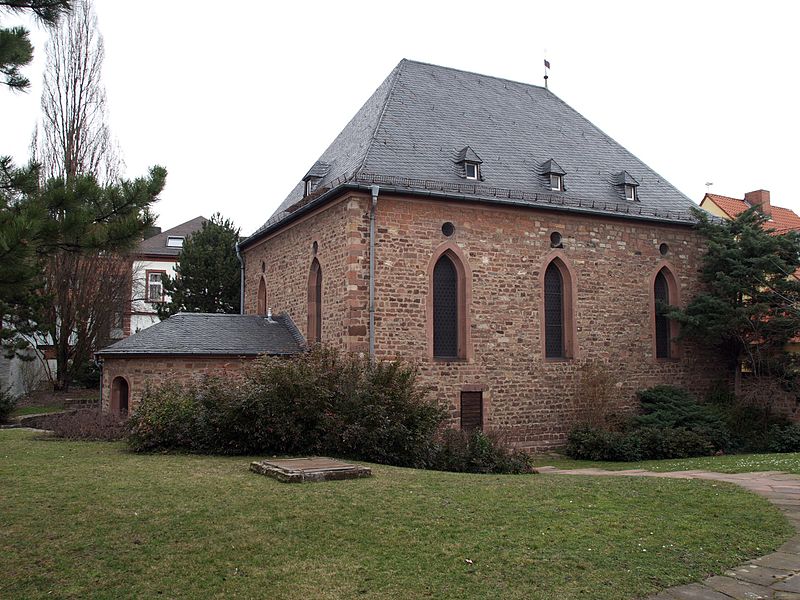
{"type": "Point", "coordinates": [88, 291]}
{"type": "Point", "coordinates": [74, 136]}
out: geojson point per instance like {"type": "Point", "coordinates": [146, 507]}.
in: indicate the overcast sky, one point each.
{"type": "Point", "coordinates": [237, 100]}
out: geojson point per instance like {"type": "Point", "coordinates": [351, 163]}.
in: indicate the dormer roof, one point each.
{"type": "Point", "coordinates": [467, 154]}
{"type": "Point", "coordinates": [551, 167]}
{"type": "Point", "coordinates": [317, 171]}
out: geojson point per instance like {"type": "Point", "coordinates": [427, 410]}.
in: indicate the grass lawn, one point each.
{"type": "Point", "coordinates": [733, 463]}
{"type": "Point", "coordinates": [34, 410]}
{"type": "Point", "coordinates": [92, 520]}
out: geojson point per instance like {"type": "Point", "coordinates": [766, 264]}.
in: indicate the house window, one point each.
{"type": "Point", "coordinates": [154, 291]}
{"type": "Point", "coordinates": [175, 242]}
{"type": "Point", "coordinates": [630, 192]}
{"type": "Point", "coordinates": [445, 309]}
{"type": "Point", "coordinates": [553, 312]}
{"type": "Point", "coordinates": [308, 187]}
{"type": "Point", "coordinates": [471, 410]}
{"type": "Point", "coordinates": [315, 303]}
{"type": "Point", "coordinates": [472, 170]}
{"type": "Point", "coordinates": [556, 182]}
{"type": "Point", "coordinates": [663, 325]}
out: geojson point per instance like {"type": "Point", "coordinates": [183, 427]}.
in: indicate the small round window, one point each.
{"type": "Point", "coordinates": [448, 229]}
{"type": "Point", "coordinates": [663, 249]}
{"type": "Point", "coordinates": [556, 241]}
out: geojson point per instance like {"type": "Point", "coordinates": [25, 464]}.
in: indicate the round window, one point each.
{"type": "Point", "coordinates": [663, 249]}
{"type": "Point", "coordinates": [448, 229]}
{"type": "Point", "coordinates": [556, 240]}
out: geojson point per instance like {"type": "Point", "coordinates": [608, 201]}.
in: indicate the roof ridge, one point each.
{"type": "Point", "coordinates": [396, 77]}
{"type": "Point", "coordinates": [504, 79]}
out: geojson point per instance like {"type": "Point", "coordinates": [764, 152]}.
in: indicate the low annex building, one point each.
{"type": "Point", "coordinates": [187, 346]}
{"type": "Point", "coordinates": [487, 231]}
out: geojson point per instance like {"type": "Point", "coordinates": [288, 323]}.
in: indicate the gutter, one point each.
{"type": "Point", "coordinates": [241, 279]}
{"type": "Point", "coordinates": [375, 189]}
{"type": "Point", "coordinates": [365, 187]}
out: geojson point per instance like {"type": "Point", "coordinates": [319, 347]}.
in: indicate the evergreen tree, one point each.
{"type": "Point", "coordinates": [751, 306]}
{"type": "Point", "coordinates": [16, 49]}
{"type": "Point", "coordinates": [207, 275]}
{"type": "Point", "coordinates": [62, 256]}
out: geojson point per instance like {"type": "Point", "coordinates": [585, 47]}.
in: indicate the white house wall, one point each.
{"type": "Point", "coordinates": [143, 313]}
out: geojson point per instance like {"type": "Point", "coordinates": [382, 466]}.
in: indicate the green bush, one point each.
{"type": "Point", "coordinates": [784, 438]}
{"type": "Point", "coordinates": [87, 375]}
{"type": "Point", "coordinates": [477, 452]}
{"type": "Point", "coordinates": [8, 402]}
{"type": "Point", "coordinates": [322, 402]}
{"type": "Point", "coordinates": [644, 443]}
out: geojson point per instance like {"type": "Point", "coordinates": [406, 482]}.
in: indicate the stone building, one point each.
{"type": "Point", "coordinates": [512, 242]}
{"type": "Point", "coordinates": [187, 346]}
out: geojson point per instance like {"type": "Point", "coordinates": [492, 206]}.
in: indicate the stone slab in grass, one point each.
{"type": "Point", "coordinates": [311, 469]}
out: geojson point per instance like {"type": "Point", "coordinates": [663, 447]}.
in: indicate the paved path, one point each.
{"type": "Point", "coordinates": [775, 576]}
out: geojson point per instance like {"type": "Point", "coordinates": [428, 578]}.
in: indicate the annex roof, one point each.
{"type": "Point", "coordinates": [212, 334]}
{"type": "Point", "coordinates": [157, 245]}
{"type": "Point", "coordinates": [405, 136]}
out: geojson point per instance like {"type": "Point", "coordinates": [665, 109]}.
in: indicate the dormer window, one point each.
{"type": "Point", "coordinates": [314, 176]}
{"type": "Point", "coordinates": [553, 175]}
{"type": "Point", "coordinates": [468, 164]}
{"type": "Point", "coordinates": [628, 184]}
{"type": "Point", "coordinates": [175, 241]}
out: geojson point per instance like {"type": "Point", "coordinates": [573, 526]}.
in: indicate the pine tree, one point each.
{"type": "Point", "coordinates": [750, 309]}
{"type": "Point", "coordinates": [207, 275]}
{"type": "Point", "coordinates": [16, 49]}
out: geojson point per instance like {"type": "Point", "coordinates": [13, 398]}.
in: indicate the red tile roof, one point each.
{"type": "Point", "coordinates": [783, 219]}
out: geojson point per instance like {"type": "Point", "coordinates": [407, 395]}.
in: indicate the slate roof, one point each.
{"type": "Point", "coordinates": [782, 219]}
{"type": "Point", "coordinates": [406, 134]}
{"type": "Point", "coordinates": [157, 245]}
{"type": "Point", "coordinates": [212, 334]}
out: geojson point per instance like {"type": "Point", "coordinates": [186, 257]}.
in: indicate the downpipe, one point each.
{"type": "Point", "coordinates": [375, 191]}
{"type": "Point", "coordinates": [241, 279]}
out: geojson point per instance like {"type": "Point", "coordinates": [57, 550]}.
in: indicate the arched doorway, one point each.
{"type": "Point", "coordinates": [119, 396]}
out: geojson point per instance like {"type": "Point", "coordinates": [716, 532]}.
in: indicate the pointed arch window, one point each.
{"type": "Point", "coordinates": [558, 323]}
{"type": "Point", "coordinates": [445, 309]}
{"type": "Point", "coordinates": [262, 297]}
{"type": "Point", "coordinates": [553, 312]}
{"type": "Point", "coordinates": [314, 330]}
{"type": "Point", "coordinates": [663, 296]}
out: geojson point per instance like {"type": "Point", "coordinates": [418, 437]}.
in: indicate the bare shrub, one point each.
{"type": "Point", "coordinates": [598, 396]}
{"type": "Point", "coordinates": [87, 425]}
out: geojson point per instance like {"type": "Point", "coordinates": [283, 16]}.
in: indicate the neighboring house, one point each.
{"type": "Point", "coordinates": [779, 219]}
{"type": "Point", "coordinates": [514, 242]}
{"type": "Point", "coordinates": [155, 257]}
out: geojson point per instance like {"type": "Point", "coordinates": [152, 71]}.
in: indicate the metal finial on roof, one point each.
{"type": "Point", "coordinates": [546, 68]}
